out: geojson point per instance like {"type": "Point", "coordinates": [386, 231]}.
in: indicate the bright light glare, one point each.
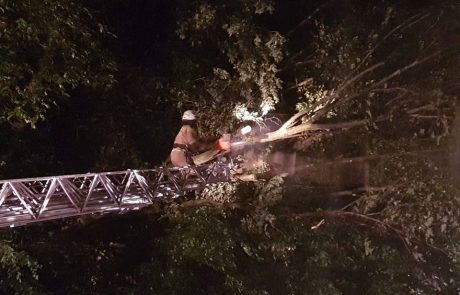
{"type": "Point", "coordinates": [246, 129]}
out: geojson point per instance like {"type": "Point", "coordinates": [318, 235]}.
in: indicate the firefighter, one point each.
{"type": "Point", "coordinates": [188, 143]}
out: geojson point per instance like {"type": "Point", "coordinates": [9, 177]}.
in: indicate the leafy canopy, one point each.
{"type": "Point", "coordinates": [48, 48]}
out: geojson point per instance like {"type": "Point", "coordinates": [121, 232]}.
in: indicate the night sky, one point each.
{"type": "Point", "coordinates": [144, 29]}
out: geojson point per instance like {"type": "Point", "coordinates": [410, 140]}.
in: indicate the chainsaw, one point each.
{"type": "Point", "coordinates": [225, 145]}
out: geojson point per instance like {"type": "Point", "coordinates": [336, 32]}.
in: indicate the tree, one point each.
{"type": "Point", "coordinates": [379, 88]}
{"type": "Point", "coordinates": [388, 79]}
{"type": "Point", "coordinates": [48, 48]}
{"type": "Point", "coordinates": [237, 80]}
{"type": "Point", "coordinates": [347, 67]}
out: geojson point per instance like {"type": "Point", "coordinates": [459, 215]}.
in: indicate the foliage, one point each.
{"type": "Point", "coordinates": [19, 272]}
{"type": "Point", "coordinates": [395, 66]}
{"type": "Point", "coordinates": [238, 81]}
{"type": "Point", "coordinates": [381, 68]}
{"type": "Point", "coordinates": [48, 48]}
{"type": "Point", "coordinates": [260, 193]}
{"type": "Point", "coordinates": [421, 202]}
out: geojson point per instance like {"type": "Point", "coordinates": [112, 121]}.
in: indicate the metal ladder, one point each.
{"type": "Point", "coordinates": [24, 201]}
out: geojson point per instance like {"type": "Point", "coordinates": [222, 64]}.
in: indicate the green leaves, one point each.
{"type": "Point", "coordinates": [18, 271]}
{"type": "Point", "coordinates": [239, 79]}
{"type": "Point", "coordinates": [48, 48]}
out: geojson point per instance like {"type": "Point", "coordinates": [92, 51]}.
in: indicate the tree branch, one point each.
{"type": "Point", "coordinates": [308, 18]}
{"type": "Point", "coordinates": [404, 25]}
{"type": "Point", "coordinates": [320, 113]}
{"type": "Point", "coordinates": [366, 222]}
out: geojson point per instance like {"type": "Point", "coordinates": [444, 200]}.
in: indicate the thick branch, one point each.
{"type": "Point", "coordinates": [299, 130]}
{"type": "Point", "coordinates": [348, 82]}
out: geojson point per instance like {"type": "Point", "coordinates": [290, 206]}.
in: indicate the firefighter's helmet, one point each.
{"type": "Point", "coordinates": [188, 115]}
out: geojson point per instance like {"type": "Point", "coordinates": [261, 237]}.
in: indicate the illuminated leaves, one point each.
{"type": "Point", "coordinates": [242, 81]}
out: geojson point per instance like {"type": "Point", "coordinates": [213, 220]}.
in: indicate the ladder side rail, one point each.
{"type": "Point", "coordinates": [156, 184]}
{"type": "Point", "coordinates": [127, 186]}
{"type": "Point", "coordinates": [70, 183]}
{"type": "Point", "coordinates": [19, 194]}
{"type": "Point", "coordinates": [172, 180]}
{"type": "Point", "coordinates": [84, 181]}
{"type": "Point", "coordinates": [51, 191]}
{"type": "Point", "coordinates": [28, 194]}
{"type": "Point", "coordinates": [6, 190]}
{"type": "Point", "coordinates": [145, 185]}
{"type": "Point", "coordinates": [66, 176]}
{"type": "Point", "coordinates": [73, 197]}
{"type": "Point", "coordinates": [37, 187]}
{"type": "Point", "coordinates": [93, 185]}
{"type": "Point", "coordinates": [212, 173]}
{"type": "Point", "coordinates": [110, 188]}
{"type": "Point", "coordinates": [47, 183]}
{"type": "Point", "coordinates": [198, 174]}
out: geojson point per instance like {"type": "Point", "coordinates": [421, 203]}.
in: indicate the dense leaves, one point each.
{"type": "Point", "coordinates": [238, 81]}
{"type": "Point", "coordinates": [48, 48]}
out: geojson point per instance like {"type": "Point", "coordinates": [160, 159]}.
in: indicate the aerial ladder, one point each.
{"type": "Point", "coordinates": [29, 200]}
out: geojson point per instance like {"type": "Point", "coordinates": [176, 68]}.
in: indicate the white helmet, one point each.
{"type": "Point", "coordinates": [188, 115]}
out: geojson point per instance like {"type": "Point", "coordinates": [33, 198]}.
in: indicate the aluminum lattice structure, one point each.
{"type": "Point", "coordinates": [24, 201]}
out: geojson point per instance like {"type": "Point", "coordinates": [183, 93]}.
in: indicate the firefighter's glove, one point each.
{"type": "Point", "coordinates": [223, 145]}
